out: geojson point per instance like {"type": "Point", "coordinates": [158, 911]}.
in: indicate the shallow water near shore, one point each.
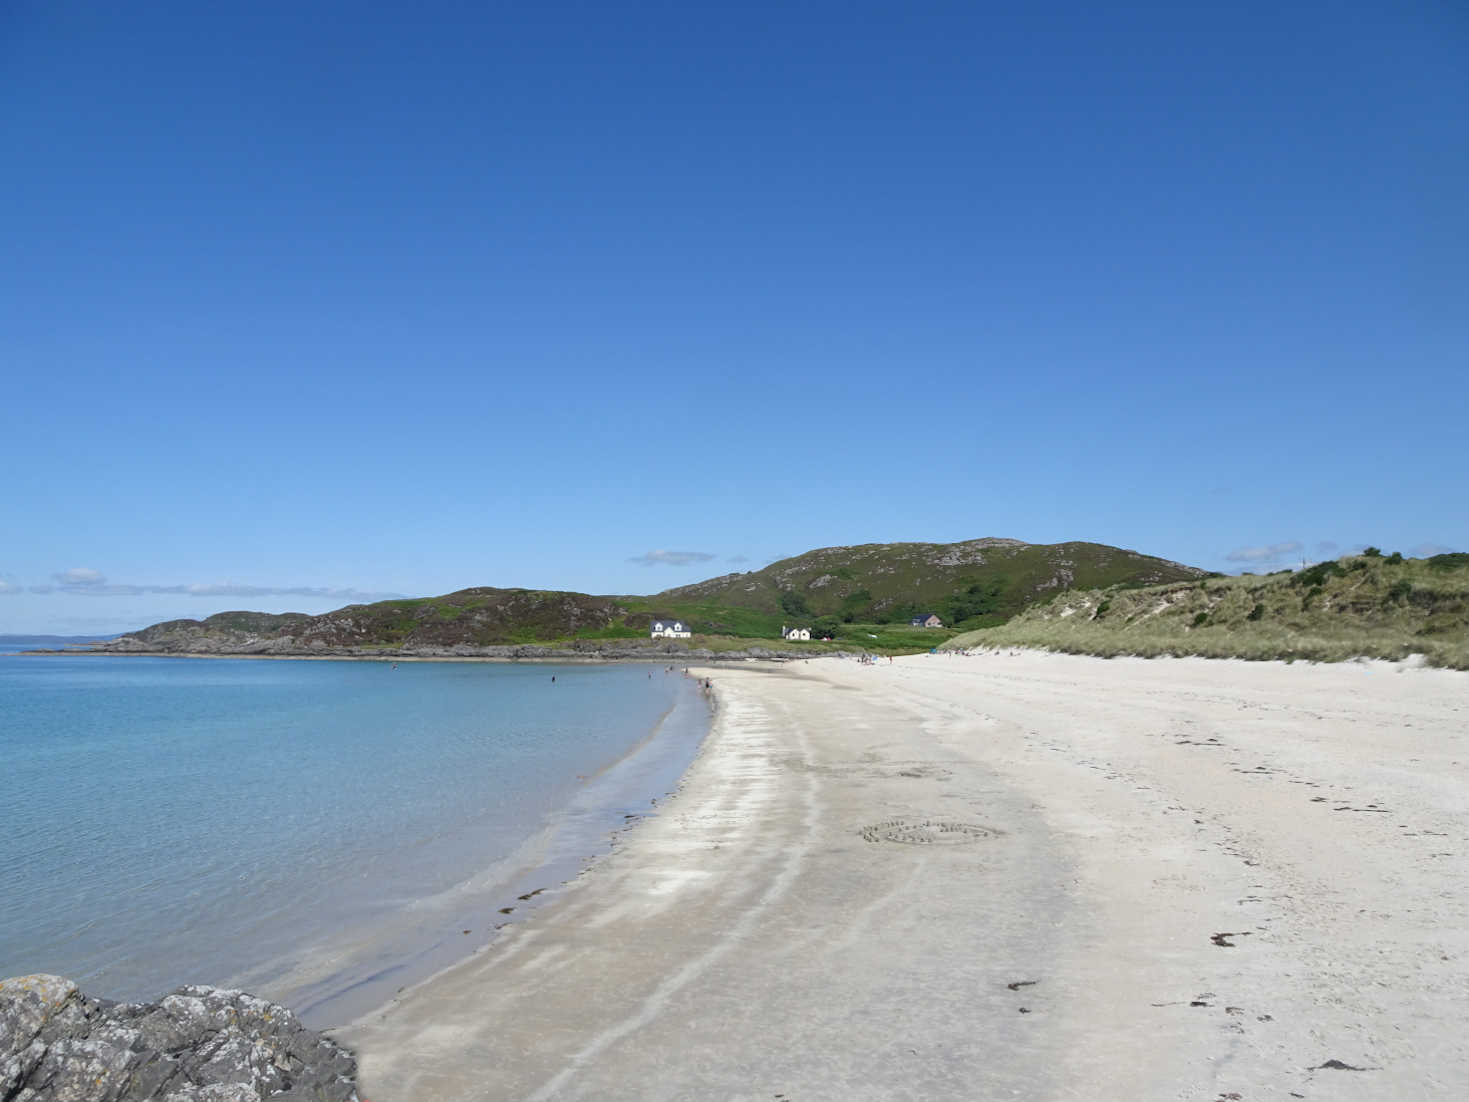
{"type": "Point", "coordinates": [322, 833]}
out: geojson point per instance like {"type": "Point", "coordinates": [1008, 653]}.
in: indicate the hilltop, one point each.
{"type": "Point", "coordinates": [1369, 605]}
{"type": "Point", "coordinates": [985, 580]}
{"type": "Point", "coordinates": [863, 595]}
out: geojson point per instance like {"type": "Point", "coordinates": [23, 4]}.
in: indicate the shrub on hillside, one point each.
{"type": "Point", "coordinates": [793, 603]}
{"type": "Point", "coordinates": [1314, 576]}
{"type": "Point", "coordinates": [825, 628]}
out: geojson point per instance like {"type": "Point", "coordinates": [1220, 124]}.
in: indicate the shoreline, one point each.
{"type": "Point", "coordinates": [364, 967]}
{"type": "Point", "coordinates": [331, 965]}
{"type": "Point", "coordinates": [982, 876]}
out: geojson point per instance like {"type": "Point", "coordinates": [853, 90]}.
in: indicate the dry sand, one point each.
{"type": "Point", "coordinates": [1168, 879]}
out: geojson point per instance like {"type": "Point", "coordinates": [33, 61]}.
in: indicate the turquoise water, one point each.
{"type": "Point", "coordinates": [321, 832]}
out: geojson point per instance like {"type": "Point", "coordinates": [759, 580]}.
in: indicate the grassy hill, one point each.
{"type": "Point", "coordinates": [861, 596]}
{"type": "Point", "coordinates": [1368, 605]}
{"type": "Point", "coordinates": [968, 584]}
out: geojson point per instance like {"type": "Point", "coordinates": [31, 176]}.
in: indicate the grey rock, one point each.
{"type": "Point", "coordinates": [199, 1044]}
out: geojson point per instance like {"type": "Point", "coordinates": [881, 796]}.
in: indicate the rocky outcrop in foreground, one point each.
{"type": "Point", "coordinates": [199, 1044]}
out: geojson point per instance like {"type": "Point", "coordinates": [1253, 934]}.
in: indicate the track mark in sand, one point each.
{"type": "Point", "coordinates": [1018, 984]}
{"type": "Point", "coordinates": [925, 832]}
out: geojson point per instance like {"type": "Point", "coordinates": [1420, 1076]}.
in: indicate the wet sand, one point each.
{"type": "Point", "coordinates": [1029, 876]}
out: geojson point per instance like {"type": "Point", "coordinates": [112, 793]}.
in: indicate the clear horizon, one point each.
{"type": "Point", "coordinates": [307, 307]}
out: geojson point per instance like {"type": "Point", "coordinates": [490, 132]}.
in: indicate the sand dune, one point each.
{"type": "Point", "coordinates": [1031, 876]}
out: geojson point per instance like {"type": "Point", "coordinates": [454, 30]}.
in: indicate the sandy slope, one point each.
{"type": "Point", "coordinates": [1146, 880]}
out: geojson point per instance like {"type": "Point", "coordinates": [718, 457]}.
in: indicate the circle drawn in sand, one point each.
{"type": "Point", "coordinates": [926, 832]}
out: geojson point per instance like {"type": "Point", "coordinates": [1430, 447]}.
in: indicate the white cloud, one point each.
{"type": "Point", "coordinates": [79, 577]}
{"type": "Point", "coordinates": [671, 558]}
{"type": "Point", "coordinates": [1272, 553]}
{"type": "Point", "coordinates": [232, 589]}
{"type": "Point", "coordinates": [738, 558]}
{"type": "Point", "coordinates": [92, 583]}
{"type": "Point", "coordinates": [8, 587]}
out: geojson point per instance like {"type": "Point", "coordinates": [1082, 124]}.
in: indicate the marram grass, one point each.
{"type": "Point", "coordinates": [1360, 607]}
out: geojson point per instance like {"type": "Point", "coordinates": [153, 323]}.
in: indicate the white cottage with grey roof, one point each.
{"type": "Point", "coordinates": [670, 629]}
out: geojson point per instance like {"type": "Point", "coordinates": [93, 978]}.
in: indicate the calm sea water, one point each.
{"type": "Point", "coordinates": [320, 832]}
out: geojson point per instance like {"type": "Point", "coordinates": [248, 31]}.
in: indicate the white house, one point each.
{"type": "Point", "coordinates": [795, 634]}
{"type": "Point", "coordinates": [670, 629]}
{"type": "Point", "coordinates": [926, 620]}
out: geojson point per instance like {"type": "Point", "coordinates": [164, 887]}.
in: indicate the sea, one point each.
{"type": "Point", "coordinates": [321, 833]}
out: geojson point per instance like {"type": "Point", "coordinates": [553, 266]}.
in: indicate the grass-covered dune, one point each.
{"type": "Point", "coordinates": [1368, 605]}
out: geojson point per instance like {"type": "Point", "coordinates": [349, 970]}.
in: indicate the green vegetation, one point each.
{"type": "Point", "coordinates": [968, 584]}
{"type": "Point", "coordinates": [860, 597]}
{"type": "Point", "coordinates": [1379, 606]}
{"type": "Point", "coordinates": [794, 604]}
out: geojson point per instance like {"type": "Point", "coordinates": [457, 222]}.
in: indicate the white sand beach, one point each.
{"type": "Point", "coordinates": [1006, 876]}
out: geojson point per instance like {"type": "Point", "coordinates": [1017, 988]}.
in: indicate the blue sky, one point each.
{"type": "Point", "coordinates": [305, 303]}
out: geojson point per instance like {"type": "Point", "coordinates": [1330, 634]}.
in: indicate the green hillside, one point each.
{"type": "Point", "coordinates": [1369, 605]}
{"type": "Point", "coordinates": [967, 584]}
{"type": "Point", "coordinates": [860, 596]}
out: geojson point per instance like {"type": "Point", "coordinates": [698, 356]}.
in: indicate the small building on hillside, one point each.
{"type": "Point", "coordinates": [670, 629]}
{"type": "Point", "coordinates": [796, 635]}
{"type": "Point", "coordinates": [926, 620]}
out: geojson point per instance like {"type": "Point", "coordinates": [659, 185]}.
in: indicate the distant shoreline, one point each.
{"type": "Point", "coordinates": [568, 659]}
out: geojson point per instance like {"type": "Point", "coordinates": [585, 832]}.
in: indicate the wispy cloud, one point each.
{"type": "Point", "coordinates": [8, 587]}
{"type": "Point", "coordinates": [92, 583]}
{"type": "Point", "coordinates": [1327, 547]}
{"type": "Point", "coordinates": [738, 558]}
{"type": "Point", "coordinates": [80, 577]}
{"type": "Point", "coordinates": [671, 558]}
{"type": "Point", "coordinates": [1427, 550]}
{"type": "Point", "coordinates": [1272, 553]}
